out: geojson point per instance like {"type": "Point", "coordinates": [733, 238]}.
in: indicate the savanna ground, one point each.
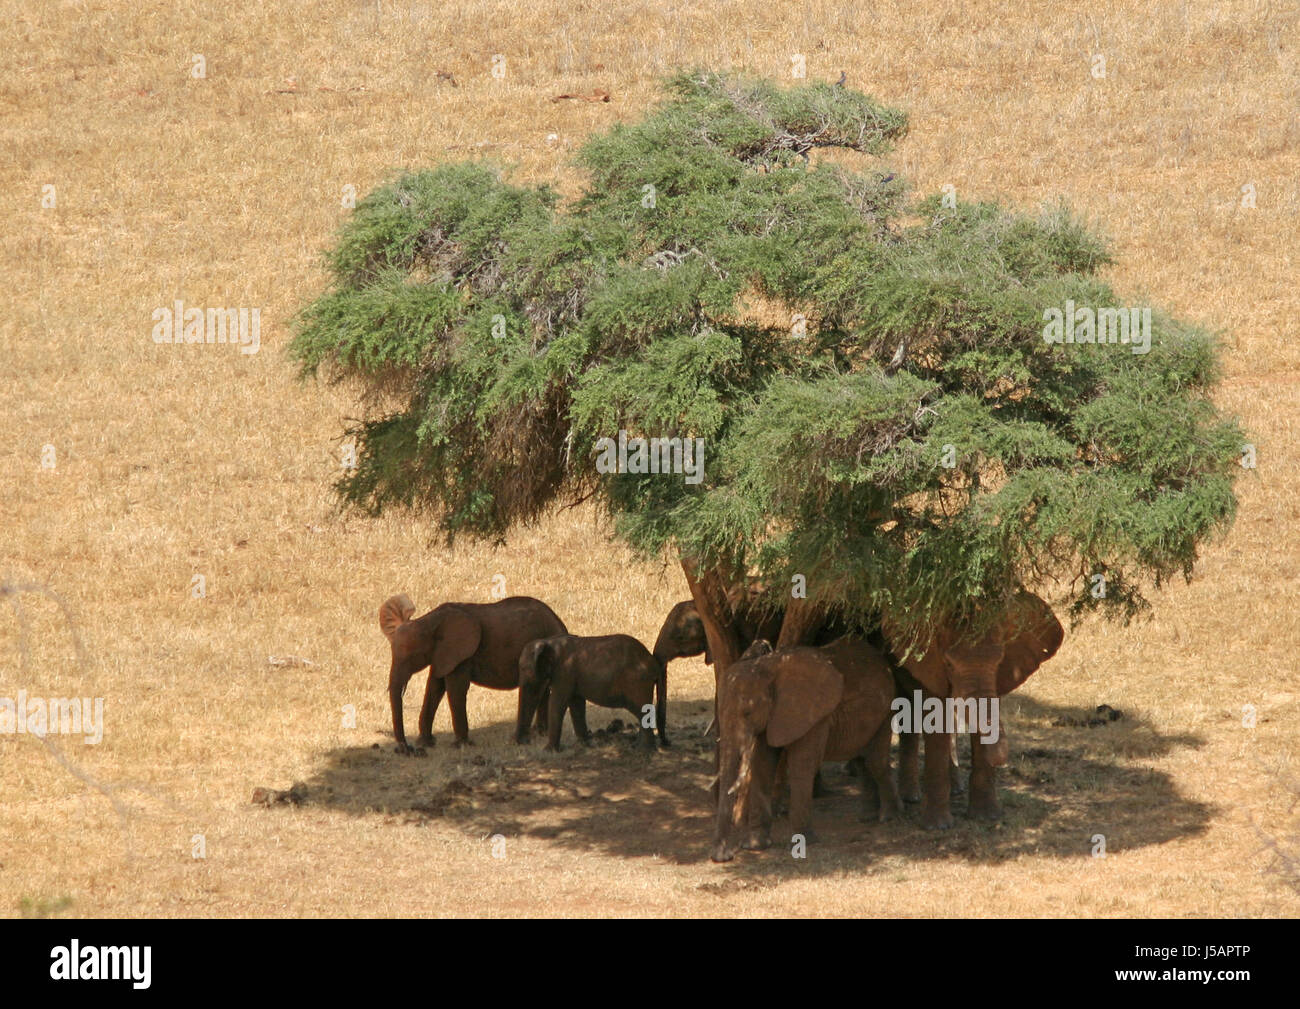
{"type": "Point", "coordinates": [176, 461]}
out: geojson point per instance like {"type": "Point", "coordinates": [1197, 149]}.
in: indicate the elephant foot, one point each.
{"type": "Point", "coordinates": [932, 819]}
{"type": "Point", "coordinates": [463, 742]}
{"type": "Point", "coordinates": [757, 841]}
{"type": "Point", "coordinates": [523, 739]}
{"type": "Point", "coordinates": [722, 853]}
{"type": "Point", "coordinates": [808, 834]}
{"type": "Point", "coordinates": [552, 748]}
{"type": "Point", "coordinates": [585, 740]}
{"type": "Point", "coordinates": [407, 750]}
{"type": "Point", "coordinates": [428, 742]}
{"type": "Point", "coordinates": [881, 812]}
{"type": "Point", "coordinates": [663, 741]}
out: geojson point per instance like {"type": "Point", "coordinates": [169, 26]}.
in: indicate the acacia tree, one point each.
{"type": "Point", "coordinates": [887, 422]}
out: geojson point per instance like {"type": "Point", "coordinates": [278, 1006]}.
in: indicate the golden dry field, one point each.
{"type": "Point", "coordinates": [169, 462]}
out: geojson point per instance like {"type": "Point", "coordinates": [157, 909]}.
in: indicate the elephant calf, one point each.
{"type": "Point", "coordinates": [614, 671]}
{"type": "Point", "coordinates": [814, 704]}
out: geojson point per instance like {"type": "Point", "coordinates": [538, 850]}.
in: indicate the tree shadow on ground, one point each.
{"type": "Point", "coordinates": [1065, 783]}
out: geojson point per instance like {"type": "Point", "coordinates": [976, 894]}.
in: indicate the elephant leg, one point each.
{"type": "Point", "coordinates": [578, 715]}
{"type": "Point", "coordinates": [803, 759]}
{"type": "Point", "coordinates": [909, 766]}
{"type": "Point", "coordinates": [527, 698]}
{"type": "Point", "coordinates": [647, 739]}
{"type": "Point", "coordinates": [936, 813]}
{"type": "Point", "coordinates": [984, 803]}
{"type": "Point", "coordinates": [543, 709]}
{"type": "Point", "coordinates": [870, 791]}
{"type": "Point", "coordinates": [645, 734]}
{"type": "Point", "coordinates": [558, 701]}
{"type": "Point", "coordinates": [780, 792]}
{"type": "Point", "coordinates": [457, 692]}
{"type": "Point", "coordinates": [877, 782]}
{"type": "Point", "coordinates": [819, 786]}
{"type": "Point", "coordinates": [433, 692]}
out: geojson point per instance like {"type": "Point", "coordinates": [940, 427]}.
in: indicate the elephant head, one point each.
{"type": "Point", "coordinates": [682, 635]}
{"type": "Point", "coordinates": [441, 639]}
{"type": "Point", "coordinates": [767, 700]}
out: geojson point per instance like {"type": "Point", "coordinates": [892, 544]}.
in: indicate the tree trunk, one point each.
{"type": "Point", "coordinates": [710, 596]}
{"type": "Point", "coordinates": [802, 621]}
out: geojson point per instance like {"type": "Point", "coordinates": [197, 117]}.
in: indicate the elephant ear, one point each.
{"type": "Point", "coordinates": [807, 687]}
{"type": "Point", "coordinates": [457, 636]}
{"type": "Point", "coordinates": [925, 661]}
{"type": "Point", "coordinates": [1033, 635]}
{"type": "Point", "coordinates": [532, 661]}
{"type": "Point", "coordinates": [697, 637]}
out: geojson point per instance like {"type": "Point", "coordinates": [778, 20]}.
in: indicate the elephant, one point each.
{"type": "Point", "coordinates": [810, 705]}
{"type": "Point", "coordinates": [614, 671]}
{"type": "Point", "coordinates": [949, 665]}
{"type": "Point", "coordinates": [682, 634]}
{"type": "Point", "coordinates": [461, 643]}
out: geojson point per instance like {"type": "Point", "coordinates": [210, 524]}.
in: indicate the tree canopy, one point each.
{"type": "Point", "coordinates": [871, 374]}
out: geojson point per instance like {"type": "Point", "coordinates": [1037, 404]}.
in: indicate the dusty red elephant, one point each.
{"type": "Point", "coordinates": [804, 706]}
{"type": "Point", "coordinates": [985, 668]}
{"type": "Point", "coordinates": [460, 643]}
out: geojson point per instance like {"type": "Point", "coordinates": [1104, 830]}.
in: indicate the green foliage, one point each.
{"type": "Point", "coordinates": [920, 447]}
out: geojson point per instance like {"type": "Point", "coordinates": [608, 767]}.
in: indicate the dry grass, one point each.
{"type": "Point", "coordinates": [176, 461]}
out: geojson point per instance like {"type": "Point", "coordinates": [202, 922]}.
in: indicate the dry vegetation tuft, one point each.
{"type": "Point", "coordinates": [177, 461]}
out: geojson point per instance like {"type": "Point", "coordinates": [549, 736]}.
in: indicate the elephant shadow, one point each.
{"type": "Point", "coordinates": [1066, 783]}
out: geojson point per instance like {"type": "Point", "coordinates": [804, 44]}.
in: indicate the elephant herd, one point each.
{"type": "Point", "coordinates": [780, 713]}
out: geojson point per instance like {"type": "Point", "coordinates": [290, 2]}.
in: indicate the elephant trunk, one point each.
{"type": "Point", "coordinates": [731, 767]}
{"type": "Point", "coordinates": [984, 723]}
{"type": "Point", "coordinates": [663, 649]}
{"type": "Point", "coordinates": [742, 786]}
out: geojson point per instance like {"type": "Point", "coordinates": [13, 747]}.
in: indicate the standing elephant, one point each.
{"type": "Point", "coordinates": [614, 671]}
{"type": "Point", "coordinates": [985, 668]}
{"type": "Point", "coordinates": [815, 704]}
{"type": "Point", "coordinates": [461, 643]}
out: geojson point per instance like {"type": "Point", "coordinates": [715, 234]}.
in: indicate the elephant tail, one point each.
{"type": "Point", "coordinates": [396, 611]}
